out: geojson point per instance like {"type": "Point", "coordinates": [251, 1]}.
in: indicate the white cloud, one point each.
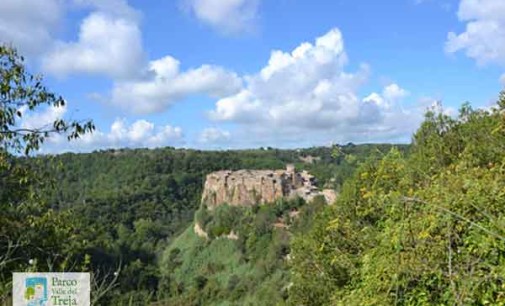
{"type": "Point", "coordinates": [305, 86]}
{"type": "Point", "coordinates": [229, 16]}
{"type": "Point", "coordinates": [307, 91]}
{"type": "Point", "coordinates": [390, 96]}
{"type": "Point", "coordinates": [214, 136]}
{"type": "Point", "coordinates": [29, 24]}
{"type": "Point", "coordinates": [484, 36]}
{"type": "Point", "coordinates": [140, 133]}
{"type": "Point", "coordinates": [393, 92]}
{"type": "Point", "coordinates": [43, 119]}
{"type": "Point", "coordinates": [109, 39]}
{"type": "Point", "coordinates": [168, 84]}
{"type": "Point", "coordinates": [107, 44]}
{"type": "Point", "coordinates": [502, 80]}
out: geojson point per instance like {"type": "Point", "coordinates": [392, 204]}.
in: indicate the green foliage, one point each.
{"type": "Point", "coordinates": [128, 205]}
{"type": "Point", "coordinates": [33, 236]}
{"type": "Point", "coordinates": [251, 270]}
{"type": "Point", "coordinates": [420, 230]}
{"type": "Point", "coordinates": [127, 209]}
{"type": "Point", "coordinates": [222, 220]}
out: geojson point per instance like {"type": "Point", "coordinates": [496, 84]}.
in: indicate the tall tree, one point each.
{"type": "Point", "coordinates": [31, 234]}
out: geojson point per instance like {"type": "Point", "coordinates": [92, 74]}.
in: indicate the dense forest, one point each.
{"type": "Point", "coordinates": [125, 215]}
{"type": "Point", "coordinates": [419, 224]}
{"type": "Point", "coordinates": [128, 206]}
{"type": "Point", "coordinates": [423, 229]}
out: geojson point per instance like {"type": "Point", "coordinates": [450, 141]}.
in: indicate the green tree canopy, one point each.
{"type": "Point", "coordinates": [30, 232]}
{"type": "Point", "coordinates": [427, 229]}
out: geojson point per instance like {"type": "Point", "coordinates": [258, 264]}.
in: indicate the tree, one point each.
{"type": "Point", "coordinates": [30, 232]}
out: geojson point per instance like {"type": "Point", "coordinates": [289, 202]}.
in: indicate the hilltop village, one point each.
{"type": "Point", "coordinates": [253, 187]}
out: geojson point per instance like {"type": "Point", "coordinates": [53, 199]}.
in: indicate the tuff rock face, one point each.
{"type": "Point", "coordinates": [253, 187]}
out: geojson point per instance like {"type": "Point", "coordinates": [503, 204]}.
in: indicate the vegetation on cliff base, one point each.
{"type": "Point", "coordinates": [427, 229]}
{"type": "Point", "coordinates": [250, 269]}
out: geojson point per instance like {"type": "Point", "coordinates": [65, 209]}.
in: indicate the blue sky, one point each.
{"type": "Point", "coordinates": [219, 74]}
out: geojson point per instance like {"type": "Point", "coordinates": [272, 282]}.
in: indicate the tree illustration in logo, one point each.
{"type": "Point", "coordinates": [36, 291]}
{"type": "Point", "coordinates": [29, 293]}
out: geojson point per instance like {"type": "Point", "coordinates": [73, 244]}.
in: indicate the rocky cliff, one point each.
{"type": "Point", "coordinates": [252, 187]}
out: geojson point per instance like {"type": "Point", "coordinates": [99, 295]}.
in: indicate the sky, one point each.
{"type": "Point", "coordinates": [231, 74]}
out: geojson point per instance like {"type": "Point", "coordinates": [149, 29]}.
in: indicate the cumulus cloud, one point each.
{"type": "Point", "coordinates": [484, 36]}
{"type": "Point", "coordinates": [393, 92]}
{"type": "Point", "coordinates": [29, 24]}
{"type": "Point", "coordinates": [167, 84]}
{"type": "Point", "coordinates": [109, 40]}
{"type": "Point", "coordinates": [390, 96]}
{"type": "Point", "coordinates": [228, 16]}
{"type": "Point", "coordinates": [108, 43]}
{"type": "Point", "coordinates": [308, 91]}
{"type": "Point", "coordinates": [140, 133]}
{"type": "Point", "coordinates": [307, 86]}
{"type": "Point", "coordinates": [43, 119]}
{"type": "Point", "coordinates": [214, 136]}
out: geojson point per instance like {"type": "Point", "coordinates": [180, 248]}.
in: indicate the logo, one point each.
{"type": "Point", "coordinates": [51, 289]}
{"type": "Point", "coordinates": [36, 291]}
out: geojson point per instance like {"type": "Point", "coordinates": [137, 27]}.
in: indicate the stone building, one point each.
{"type": "Point", "coordinates": [253, 187]}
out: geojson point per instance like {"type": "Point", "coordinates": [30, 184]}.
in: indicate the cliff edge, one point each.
{"type": "Point", "coordinates": [253, 187]}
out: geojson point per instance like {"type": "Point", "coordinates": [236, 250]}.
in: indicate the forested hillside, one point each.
{"type": "Point", "coordinates": [424, 229]}
{"type": "Point", "coordinates": [252, 153]}
{"type": "Point", "coordinates": [412, 225]}
{"type": "Point", "coordinates": [123, 208]}
{"type": "Point", "coordinates": [418, 225]}
{"type": "Point", "coordinates": [248, 267]}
